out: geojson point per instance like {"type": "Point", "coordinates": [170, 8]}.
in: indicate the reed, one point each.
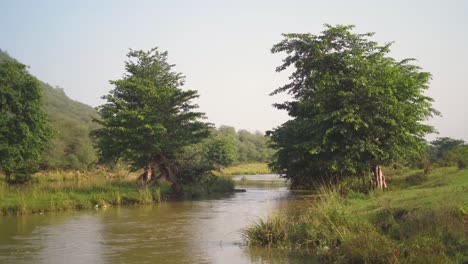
{"type": "Point", "coordinates": [422, 220]}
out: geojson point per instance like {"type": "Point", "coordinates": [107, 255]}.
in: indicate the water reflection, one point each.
{"type": "Point", "coordinates": [51, 238]}
{"type": "Point", "coordinates": [205, 231]}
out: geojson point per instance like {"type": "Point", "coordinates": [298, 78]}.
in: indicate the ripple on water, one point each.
{"type": "Point", "coordinates": [205, 231]}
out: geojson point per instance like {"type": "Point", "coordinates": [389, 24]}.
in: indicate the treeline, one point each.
{"type": "Point", "coordinates": [72, 148]}
{"type": "Point", "coordinates": [249, 147]}
{"type": "Point", "coordinates": [442, 152]}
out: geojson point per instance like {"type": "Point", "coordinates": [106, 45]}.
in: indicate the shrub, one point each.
{"type": "Point", "coordinates": [272, 232]}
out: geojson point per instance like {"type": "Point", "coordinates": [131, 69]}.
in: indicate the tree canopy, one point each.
{"type": "Point", "coordinates": [353, 107]}
{"type": "Point", "coordinates": [70, 146]}
{"type": "Point", "coordinates": [251, 147]}
{"type": "Point", "coordinates": [446, 151]}
{"type": "Point", "coordinates": [148, 118]}
{"type": "Point", "coordinates": [23, 128]}
{"type": "Point", "coordinates": [221, 151]}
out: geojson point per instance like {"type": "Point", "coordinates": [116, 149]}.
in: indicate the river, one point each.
{"type": "Point", "coordinates": [201, 231]}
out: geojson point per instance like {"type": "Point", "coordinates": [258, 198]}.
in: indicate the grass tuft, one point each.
{"type": "Point", "coordinates": [271, 232]}
{"type": "Point", "coordinates": [423, 219]}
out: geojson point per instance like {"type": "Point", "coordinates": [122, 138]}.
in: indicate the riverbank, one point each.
{"type": "Point", "coordinates": [74, 190]}
{"type": "Point", "coordinates": [246, 169]}
{"type": "Point", "coordinates": [422, 219]}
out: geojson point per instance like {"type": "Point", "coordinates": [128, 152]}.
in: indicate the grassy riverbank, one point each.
{"type": "Point", "coordinates": [422, 219]}
{"type": "Point", "coordinates": [246, 169]}
{"type": "Point", "coordinates": [73, 190]}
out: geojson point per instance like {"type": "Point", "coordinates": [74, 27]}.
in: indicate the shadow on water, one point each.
{"type": "Point", "coordinates": [202, 231]}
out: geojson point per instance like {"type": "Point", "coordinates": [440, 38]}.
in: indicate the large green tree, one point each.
{"type": "Point", "coordinates": [70, 146]}
{"type": "Point", "coordinates": [148, 118]}
{"type": "Point", "coordinates": [23, 129]}
{"type": "Point", "coordinates": [353, 107]}
{"type": "Point", "coordinates": [221, 151]}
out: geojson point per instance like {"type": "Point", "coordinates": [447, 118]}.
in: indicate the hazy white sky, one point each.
{"type": "Point", "coordinates": [223, 47]}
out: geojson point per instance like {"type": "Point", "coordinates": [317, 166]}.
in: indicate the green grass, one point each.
{"type": "Point", "coordinates": [422, 219]}
{"type": "Point", "coordinates": [60, 191]}
{"type": "Point", "coordinates": [246, 169]}
{"type": "Point", "coordinates": [74, 190]}
{"type": "Point", "coordinates": [216, 186]}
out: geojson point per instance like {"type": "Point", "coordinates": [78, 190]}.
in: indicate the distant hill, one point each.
{"type": "Point", "coordinates": [71, 146]}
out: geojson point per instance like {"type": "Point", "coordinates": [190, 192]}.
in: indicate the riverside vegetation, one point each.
{"type": "Point", "coordinates": [246, 169]}
{"type": "Point", "coordinates": [422, 219]}
{"type": "Point", "coordinates": [75, 190]}
{"type": "Point", "coordinates": [356, 112]}
{"type": "Point", "coordinates": [59, 190]}
{"type": "Point", "coordinates": [74, 174]}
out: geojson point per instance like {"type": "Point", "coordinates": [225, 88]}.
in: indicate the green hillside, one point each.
{"type": "Point", "coordinates": [71, 146]}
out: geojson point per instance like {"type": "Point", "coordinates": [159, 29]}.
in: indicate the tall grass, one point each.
{"type": "Point", "coordinates": [59, 191]}
{"type": "Point", "coordinates": [422, 220]}
{"type": "Point", "coordinates": [272, 232]}
{"type": "Point", "coordinates": [214, 186]}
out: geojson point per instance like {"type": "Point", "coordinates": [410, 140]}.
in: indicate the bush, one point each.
{"type": "Point", "coordinates": [272, 232]}
{"type": "Point", "coordinates": [332, 231]}
{"type": "Point", "coordinates": [366, 245]}
{"type": "Point", "coordinates": [208, 185]}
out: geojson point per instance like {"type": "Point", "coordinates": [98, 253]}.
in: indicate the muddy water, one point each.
{"type": "Point", "coordinates": [203, 231]}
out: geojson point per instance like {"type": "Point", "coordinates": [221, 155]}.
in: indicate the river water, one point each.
{"type": "Point", "coordinates": [202, 231]}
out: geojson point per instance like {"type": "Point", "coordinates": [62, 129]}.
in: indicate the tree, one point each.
{"type": "Point", "coordinates": [443, 145]}
{"type": "Point", "coordinates": [23, 129]}
{"type": "Point", "coordinates": [353, 108]}
{"type": "Point", "coordinates": [221, 151]}
{"type": "Point", "coordinates": [456, 156]}
{"type": "Point", "coordinates": [251, 147]}
{"type": "Point", "coordinates": [148, 118]}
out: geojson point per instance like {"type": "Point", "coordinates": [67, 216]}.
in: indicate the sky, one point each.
{"type": "Point", "coordinates": [223, 47]}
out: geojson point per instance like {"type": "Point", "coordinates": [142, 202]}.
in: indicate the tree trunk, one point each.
{"type": "Point", "coordinates": [168, 174]}
{"type": "Point", "coordinates": [379, 178]}
{"type": "Point", "coordinates": [7, 176]}
{"type": "Point", "coordinates": [146, 176]}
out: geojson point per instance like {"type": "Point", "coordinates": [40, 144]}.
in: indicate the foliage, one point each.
{"type": "Point", "coordinates": [443, 145]}
{"type": "Point", "coordinates": [221, 151]}
{"type": "Point", "coordinates": [267, 232]}
{"type": "Point", "coordinates": [191, 164]}
{"type": "Point", "coordinates": [208, 186]}
{"type": "Point", "coordinates": [246, 169]}
{"type": "Point", "coordinates": [353, 108]}
{"type": "Point", "coordinates": [74, 190]}
{"type": "Point", "coordinates": [23, 128]}
{"type": "Point", "coordinates": [447, 151]}
{"type": "Point", "coordinates": [148, 118]}
{"type": "Point", "coordinates": [422, 222]}
{"type": "Point", "coordinates": [458, 155]}
{"type": "Point", "coordinates": [70, 146]}
{"type": "Point", "coordinates": [251, 147]}
{"type": "Point", "coordinates": [4, 55]}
